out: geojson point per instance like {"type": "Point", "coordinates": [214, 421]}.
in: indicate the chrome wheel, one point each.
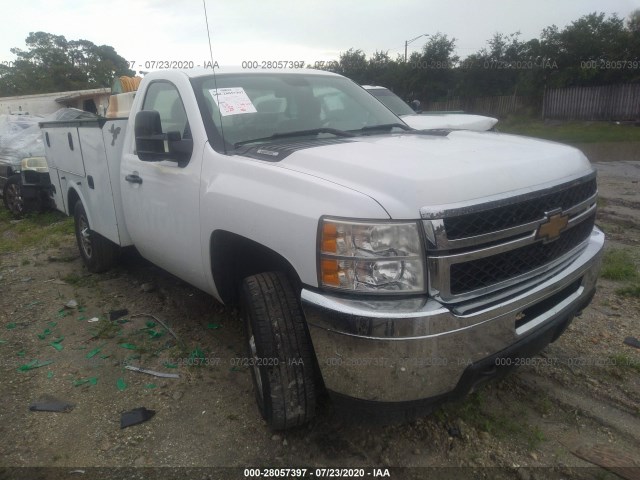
{"type": "Point", "coordinates": [254, 359]}
{"type": "Point", "coordinates": [85, 237]}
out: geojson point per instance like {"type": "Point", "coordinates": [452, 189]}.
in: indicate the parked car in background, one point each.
{"type": "Point", "coordinates": [24, 175]}
{"type": "Point", "coordinates": [430, 120]}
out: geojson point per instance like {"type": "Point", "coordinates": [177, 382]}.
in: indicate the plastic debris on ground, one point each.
{"type": "Point", "coordinates": [632, 342]}
{"type": "Point", "coordinates": [116, 314]}
{"type": "Point", "coordinates": [136, 416]}
{"type": "Point", "coordinates": [121, 384]}
{"type": "Point", "coordinates": [94, 319]}
{"type": "Point", "coordinates": [152, 372]}
{"type": "Point", "coordinates": [45, 334]}
{"type": "Point", "coordinates": [86, 381]}
{"type": "Point", "coordinates": [48, 403]}
{"type": "Point", "coordinates": [213, 326]}
{"type": "Point", "coordinates": [160, 322]}
{"type": "Point", "coordinates": [71, 304]}
{"type": "Point", "coordinates": [33, 365]}
{"type": "Point", "coordinates": [93, 352]}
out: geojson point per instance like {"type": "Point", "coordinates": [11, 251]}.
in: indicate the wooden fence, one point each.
{"type": "Point", "coordinates": [499, 106]}
{"type": "Point", "coordinates": [610, 102]}
{"type": "Point", "coordinates": [606, 103]}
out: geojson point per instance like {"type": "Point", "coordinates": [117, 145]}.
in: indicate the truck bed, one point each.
{"type": "Point", "coordinates": [84, 163]}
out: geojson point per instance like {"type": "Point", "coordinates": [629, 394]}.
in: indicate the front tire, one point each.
{"type": "Point", "coordinates": [12, 196]}
{"type": "Point", "coordinates": [279, 350]}
{"type": "Point", "coordinates": [98, 253]}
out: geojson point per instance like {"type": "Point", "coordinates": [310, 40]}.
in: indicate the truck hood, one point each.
{"type": "Point", "coordinates": [404, 172]}
{"type": "Point", "coordinates": [455, 121]}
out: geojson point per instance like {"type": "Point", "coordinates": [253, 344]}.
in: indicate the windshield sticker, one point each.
{"type": "Point", "coordinates": [232, 101]}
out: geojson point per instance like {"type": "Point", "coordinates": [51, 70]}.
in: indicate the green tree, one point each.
{"type": "Point", "coordinates": [433, 70]}
{"type": "Point", "coordinates": [51, 63]}
{"type": "Point", "coordinates": [353, 64]}
{"type": "Point", "coordinates": [586, 49]}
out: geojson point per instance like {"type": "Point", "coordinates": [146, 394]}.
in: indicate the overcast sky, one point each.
{"type": "Point", "coordinates": [242, 30]}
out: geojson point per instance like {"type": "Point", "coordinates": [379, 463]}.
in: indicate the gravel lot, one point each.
{"type": "Point", "coordinates": [582, 392]}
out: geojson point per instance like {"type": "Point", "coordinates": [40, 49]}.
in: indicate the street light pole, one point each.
{"type": "Point", "coordinates": [407, 42]}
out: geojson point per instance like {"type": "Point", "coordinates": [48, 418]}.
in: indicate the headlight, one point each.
{"type": "Point", "coordinates": [370, 257]}
{"type": "Point", "coordinates": [39, 164]}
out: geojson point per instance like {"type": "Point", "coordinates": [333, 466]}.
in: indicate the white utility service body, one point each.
{"type": "Point", "coordinates": [385, 237]}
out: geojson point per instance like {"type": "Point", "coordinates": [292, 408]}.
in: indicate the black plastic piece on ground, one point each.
{"type": "Point", "coordinates": [632, 342]}
{"type": "Point", "coordinates": [116, 314]}
{"type": "Point", "coordinates": [47, 403]}
{"type": "Point", "coordinates": [136, 416]}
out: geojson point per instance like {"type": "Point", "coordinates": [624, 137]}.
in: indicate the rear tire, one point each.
{"type": "Point", "coordinates": [98, 253]}
{"type": "Point", "coordinates": [12, 196]}
{"type": "Point", "coordinates": [280, 352]}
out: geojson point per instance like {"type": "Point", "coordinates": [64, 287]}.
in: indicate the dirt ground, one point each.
{"type": "Point", "coordinates": [583, 391]}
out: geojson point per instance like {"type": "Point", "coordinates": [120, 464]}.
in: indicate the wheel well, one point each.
{"type": "Point", "coordinates": [72, 198]}
{"type": "Point", "coordinates": [234, 257]}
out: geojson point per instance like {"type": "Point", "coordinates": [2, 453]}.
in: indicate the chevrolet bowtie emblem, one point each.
{"type": "Point", "coordinates": [553, 227]}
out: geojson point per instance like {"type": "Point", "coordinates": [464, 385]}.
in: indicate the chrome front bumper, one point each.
{"type": "Point", "coordinates": [414, 349]}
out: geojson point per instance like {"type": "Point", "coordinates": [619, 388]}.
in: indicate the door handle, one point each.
{"type": "Point", "coordinates": [133, 179]}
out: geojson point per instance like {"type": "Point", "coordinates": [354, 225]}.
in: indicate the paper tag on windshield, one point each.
{"type": "Point", "coordinates": [232, 101]}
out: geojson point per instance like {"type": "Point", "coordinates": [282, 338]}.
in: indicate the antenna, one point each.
{"type": "Point", "coordinates": [215, 81]}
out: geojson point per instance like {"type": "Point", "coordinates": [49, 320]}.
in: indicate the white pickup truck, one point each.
{"type": "Point", "coordinates": [391, 267]}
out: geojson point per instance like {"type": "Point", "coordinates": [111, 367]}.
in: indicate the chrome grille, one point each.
{"type": "Point", "coordinates": [523, 212]}
{"type": "Point", "coordinates": [476, 250]}
{"type": "Point", "coordinates": [498, 268]}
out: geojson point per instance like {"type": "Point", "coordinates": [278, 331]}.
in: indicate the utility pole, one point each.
{"type": "Point", "coordinates": [407, 42]}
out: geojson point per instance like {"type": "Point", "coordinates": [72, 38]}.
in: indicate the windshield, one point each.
{"type": "Point", "coordinates": [392, 101]}
{"type": "Point", "coordinates": [255, 107]}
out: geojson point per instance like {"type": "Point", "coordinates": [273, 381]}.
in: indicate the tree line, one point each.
{"type": "Point", "coordinates": [51, 63]}
{"type": "Point", "coordinates": [596, 49]}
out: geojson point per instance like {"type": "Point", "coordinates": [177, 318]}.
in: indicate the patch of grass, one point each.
{"type": "Point", "coordinates": [625, 362]}
{"type": "Point", "coordinates": [502, 424]}
{"type": "Point", "coordinates": [72, 278]}
{"type": "Point", "coordinates": [42, 229]}
{"type": "Point", "coordinates": [25, 262]}
{"type": "Point", "coordinates": [543, 405]}
{"type": "Point", "coordinates": [80, 280]}
{"type": "Point", "coordinates": [535, 437]}
{"type": "Point", "coordinates": [630, 291]}
{"type": "Point", "coordinates": [610, 228]}
{"type": "Point", "coordinates": [571, 132]}
{"type": "Point", "coordinates": [107, 329]}
{"type": "Point", "coordinates": [618, 265]}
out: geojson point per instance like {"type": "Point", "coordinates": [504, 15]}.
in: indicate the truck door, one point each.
{"type": "Point", "coordinates": [161, 198]}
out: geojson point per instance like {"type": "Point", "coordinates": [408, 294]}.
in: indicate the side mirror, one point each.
{"type": "Point", "coordinates": [149, 136]}
{"type": "Point", "coordinates": [153, 146]}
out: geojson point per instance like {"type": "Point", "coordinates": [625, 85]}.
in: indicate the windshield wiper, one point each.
{"type": "Point", "coordinates": [384, 126]}
{"type": "Point", "coordinates": [298, 133]}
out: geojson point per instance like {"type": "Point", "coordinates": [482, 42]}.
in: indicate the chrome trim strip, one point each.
{"type": "Point", "coordinates": [441, 242]}
{"type": "Point", "coordinates": [467, 256]}
{"type": "Point", "coordinates": [445, 244]}
{"type": "Point", "coordinates": [591, 201]}
{"type": "Point", "coordinates": [531, 324]}
{"type": "Point", "coordinates": [500, 200]}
